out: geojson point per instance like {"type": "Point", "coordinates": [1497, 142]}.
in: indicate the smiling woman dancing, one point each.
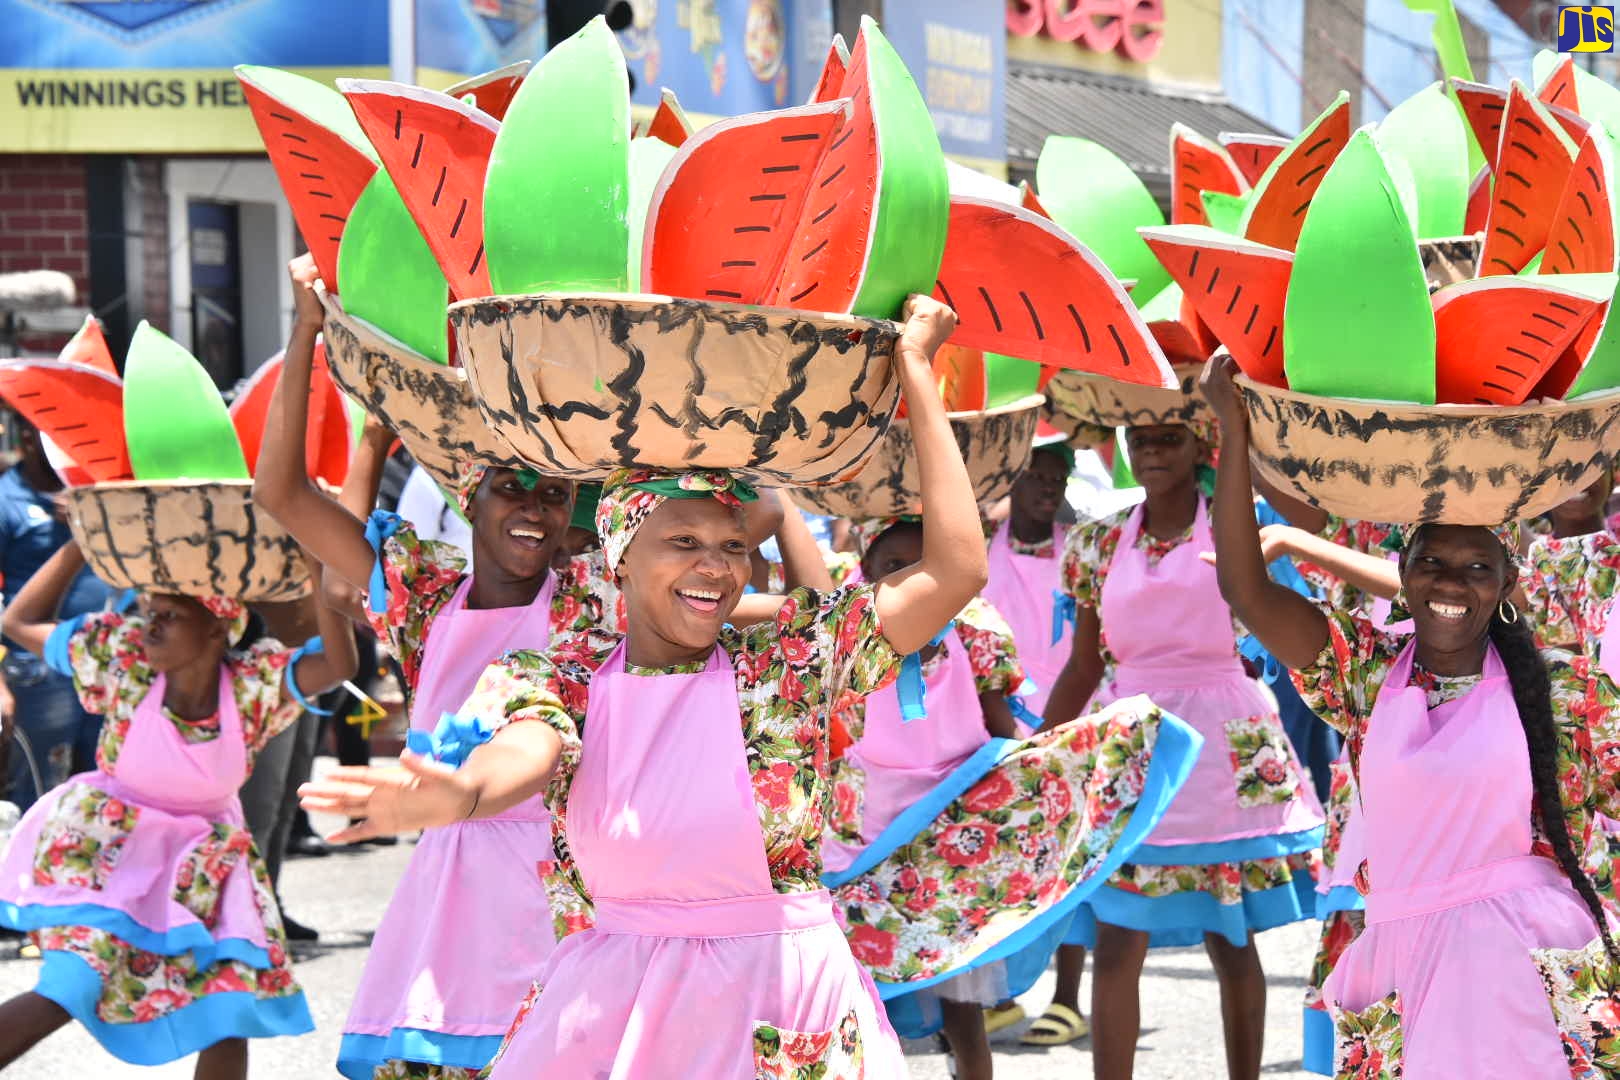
{"type": "Point", "coordinates": [1481, 765]}
{"type": "Point", "coordinates": [688, 771]}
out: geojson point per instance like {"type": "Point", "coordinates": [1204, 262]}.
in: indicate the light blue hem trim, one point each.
{"type": "Point", "coordinates": [1339, 898]}
{"type": "Point", "coordinates": [1248, 849]}
{"type": "Point", "coordinates": [1182, 919]}
{"type": "Point", "coordinates": [73, 984]}
{"type": "Point", "coordinates": [1175, 752]}
{"type": "Point", "coordinates": [1319, 1040]}
{"type": "Point", "coordinates": [192, 938]}
{"type": "Point", "coordinates": [359, 1055]}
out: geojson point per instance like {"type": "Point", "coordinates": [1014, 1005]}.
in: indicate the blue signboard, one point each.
{"type": "Point", "coordinates": [957, 52]}
{"type": "Point", "coordinates": [472, 36]}
{"type": "Point", "coordinates": [725, 57]}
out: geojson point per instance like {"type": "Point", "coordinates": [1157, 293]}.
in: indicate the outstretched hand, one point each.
{"type": "Point", "coordinates": [306, 304]}
{"type": "Point", "coordinates": [418, 793]}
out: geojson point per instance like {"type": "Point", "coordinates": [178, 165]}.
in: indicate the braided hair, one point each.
{"type": "Point", "coordinates": [1532, 697]}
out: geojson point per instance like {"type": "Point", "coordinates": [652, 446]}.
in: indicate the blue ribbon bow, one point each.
{"type": "Point", "coordinates": [1065, 612]}
{"type": "Point", "coordinates": [1023, 712]}
{"type": "Point", "coordinates": [913, 692]}
{"type": "Point", "coordinates": [455, 737]}
{"type": "Point", "coordinates": [379, 527]}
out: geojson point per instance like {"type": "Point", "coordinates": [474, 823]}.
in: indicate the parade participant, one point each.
{"type": "Point", "coordinates": [1235, 852]}
{"type": "Point", "coordinates": [1572, 573]}
{"type": "Point", "coordinates": [1485, 952]}
{"type": "Point", "coordinates": [715, 952]}
{"type": "Point", "coordinates": [431, 997]}
{"type": "Point", "coordinates": [139, 880]}
{"type": "Point", "coordinates": [1025, 585]}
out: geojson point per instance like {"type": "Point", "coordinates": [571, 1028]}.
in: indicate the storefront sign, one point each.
{"type": "Point", "coordinates": [1133, 28]}
{"type": "Point", "coordinates": [956, 50]}
{"type": "Point", "coordinates": [154, 76]}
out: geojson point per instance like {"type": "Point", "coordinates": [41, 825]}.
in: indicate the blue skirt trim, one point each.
{"type": "Point", "coordinates": [74, 984]}
{"type": "Point", "coordinates": [1182, 919]}
{"type": "Point", "coordinates": [192, 938]}
{"type": "Point", "coordinates": [1319, 1038]}
{"type": "Point", "coordinates": [1029, 949]}
{"type": "Point", "coordinates": [1248, 849]}
{"type": "Point", "coordinates": [1339, 898]}
{"type": "Point", "coordinates": [359, 1055]}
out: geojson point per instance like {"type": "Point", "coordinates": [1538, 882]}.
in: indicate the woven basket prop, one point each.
{"type": "Point", "coordinates": [193, 538]}
{"type": "Point", "coordinates": [995, 445]}
{"type": "Point", "coordinates": [580, 385]}
{"type": "Point", "coordinates": [1082, 399]}
{"type": "Point", "coordinates": [428, 405]}
{"type": "Point", "coordinates": [1402, 464]}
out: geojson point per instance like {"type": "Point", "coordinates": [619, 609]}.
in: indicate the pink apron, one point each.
{"type": "Point", "coordinates": [1171, 633]}
{"type": "Point", "coordinates": [178, 791]}
{"type": "Point", "coordinates": [469, 925]}
{"type": "Point", "coordinates": [1021, 588]}
{"type": "Point", "coordinates": [1457, 900]}
{"type": "Point", "coordinates": [693, 953]}
{"type": "Point", "coordinates": [903, 762]}
{"type": "Point", "coordinates": [1609, 647]}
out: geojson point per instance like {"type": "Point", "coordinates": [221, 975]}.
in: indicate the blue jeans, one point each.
{"type": "Point", "coordinates": [61, 735]}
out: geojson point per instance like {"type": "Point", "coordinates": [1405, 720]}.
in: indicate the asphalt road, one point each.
{"type": "Point", "coordinates": [343, 896]}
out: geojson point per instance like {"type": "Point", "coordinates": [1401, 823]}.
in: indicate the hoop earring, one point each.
{"type": "Point", "coordinates": [1507, 612]}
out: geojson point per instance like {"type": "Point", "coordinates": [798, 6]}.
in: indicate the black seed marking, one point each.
{"type": "Point", "coordinates": [1511, 235]}
{"type": "Point", "coordinates": [1565, 308]}
{"type": "Point", "coordinates": [293, 137]}
{"type": "Point", "coordinates": [1124, 354]}
{"type": "Point", "coordinates": [779, 168]}
{"type": "Point", "coordinates": [478, 257]}
{"type": "Point", "coordinates": [751, 228]}
{"type": "Point", "coordinates": [416, 155]}
{"type": "Point", "coordinates": [995, 316]}
{"type": "Point", "coordinates": [1192, 270]}
{"type": "Point", "coordinates": [1516, 351]}
{"type": "Point", "coordinates": [834, 175]}
{"type": "Point", "coordinates": [1085, 336]}
{"type": "Point", "coordinates": [1529, 123]}
{"type": "Point", "coordinates": [1029, 306]}
{"type": "Point", "coordinates": [796, 297]}
{"type": "Point", "coordinates": [945, 294]}
{"type": "Point", "coordinates": [283, 117]}
{"type": "Point", "coordinates": [1511, 175]}
{"type": "Point", "coordinates": [1213, 278]}
{"type": "Point", "coordinates": [813, 252]}
{"type": "Point", "coordinates": [1548, 319]}
{"type": "Point", "coordinates": [808, 137]}
{"type": "Point", "coordinates": [1317, 145]}
{"type": "Point", "coordinates": [739, 262]}
{"type": "Point", "coordinates": [311, 176]}
{"type": "Point", "coordinates": [456, 228]}
{"type": "Point", "coordinates": [1254, 314]}
{"type": "Point", "coordinates": [1236, 295]}
{"type": "Point", "coordinates": [1305, 177]}
{"type": "Point", "coordinates": [723, 293]}
{"type": "Point", "coordinates": [1565, 249]}
{"type": "Point", "coordinates": [824, 215]}
{"type": "Point", "coordinates": [319, 194]}
{"type": "Point", "coordinates": [444, 170]}
{"type": "Point", "coordinates": [1498, 386]}
{"type": "Point", "coordinates": [1517, 374]}
{"type": "Point", "coordinates": [1509, 267]}
{"type": "Point", "coordinates": [302, 156]}
{"type": "Point", "coordinates": [841, 140]}
{"type": "Point", "coordinates": [768, 196]}
{"type": "Point", "coordinates": [339, 218]}
{"type": "Point", "coordinates": [399, 123]}
{"type": "Point", "coordinates": [1513, 206]}
{"type": "Point", "coordinates": [1271, 339]}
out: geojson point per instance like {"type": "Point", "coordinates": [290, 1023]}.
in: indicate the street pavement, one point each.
{"type": "Point", "coordinates": [343, 895]}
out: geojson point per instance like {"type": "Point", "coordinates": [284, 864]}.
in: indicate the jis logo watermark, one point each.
{"type": "Point", "coordinates": [1586, 29]}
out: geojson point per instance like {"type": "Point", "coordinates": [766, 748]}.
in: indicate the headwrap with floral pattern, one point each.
{"type": "Point", "coordinates": [866, 531]}
{"type": "Point", "coordinates": [470, 475]}
{"type": "Point", "coordinates": [1508, 536]}
{"type": "Point", "coordinates": [230, 610]}
{"type": "Point", "coordinates": [630, 496]}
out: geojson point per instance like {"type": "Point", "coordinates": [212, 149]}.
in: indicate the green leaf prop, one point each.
{"type": "Point", "coordinates": [648, 157]}
{"type": "Point", "coordinates": [1454, 63]}
{"type": "Point", "coordinates": [1357, 322]}
{"type": "Point", "coordinates": [1123, 477]}
{"type": "Point", "coordinates": [1097, 199]}
{"type": "Point", "coordinates": [175, 423]}
{"type": "Point", "coordinates": [1008, 379]}
{"type": "Point", "coordinates": [914, 198]}
{"type": "Point", "coordinates": [557, 192]}
{"type": "Point", "coordinates": [390, 277]}
{"type": "Point", "coordinates": [1225, 212]}
{"type": "Point", "coordinates": [1427, 133]}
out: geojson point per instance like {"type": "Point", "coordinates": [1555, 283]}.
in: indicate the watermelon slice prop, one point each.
{"type": "Point", "coordinates": [319, 153]}
{"type": "Point", "coordinates": [830, 84]}
{"type": "Point", "coordinates": [1497, 336]}
{"type": "Point", "coordinates": [1198, 165]}
{"type": "Point", "coordinates": [493, 91]}
{"type": "Point", "coordinates": [1532, 163]}
{"type": "Point", "coordinates": [436, 150]}
{"type": "Point", "coordinates": [668, 123]}
{"type": "Point", "coordinates": [78, 407]}
{"type": "Point", "coordinates": [88, 346]}
{"type": "Point", "coordinates": [1023, 287]}
{"type": "Point", "coordinates": [330, 438]}
{"type": "Point", "coordinates": [1237, 287]}
{"type": "Point", "coordinates": [1277, 210]}
{"type": "Point", "coordinates": [1252, 154]}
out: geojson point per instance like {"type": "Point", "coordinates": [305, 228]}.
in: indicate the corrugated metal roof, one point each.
{"type": "Point", "coordinates": [1130, 117]}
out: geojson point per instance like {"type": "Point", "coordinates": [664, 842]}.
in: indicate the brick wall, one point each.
{"type": "Point", "coordinates": [43, 225]}
{"type": "Point", "coordinates": [153, 269]}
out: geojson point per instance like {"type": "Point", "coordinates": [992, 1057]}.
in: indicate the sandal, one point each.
{"type": "Point", "coordinates": [1058, 1025]}
{"type": "Point", "coordinates": [1000, 1017]}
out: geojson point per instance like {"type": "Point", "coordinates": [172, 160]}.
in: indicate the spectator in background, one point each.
{"type": "Point", "coordinates": [60, 736]}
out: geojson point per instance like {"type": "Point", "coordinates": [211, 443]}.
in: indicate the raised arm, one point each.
{"type": "Point", "coordinates": [31, 616]}
{"type": "Point", "coordinates": [360, 487]}
{"type": "Point", "coordinates": [1366, 572]}
{"type": "Point", "coordinates": [1288, 625]}
{"type": "Point", "coordinates": [281, 485]}
{"type": "Point", "coordinates": [338, 659]}
{"type": "Point", "coordinates": [803, 565]}
{"type": "Point", "coordinates": [914, 603]}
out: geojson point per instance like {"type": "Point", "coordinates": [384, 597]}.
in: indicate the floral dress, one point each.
{"type": "Point", "coordinates": [1367, 537]}
{"type": "Point", "coordinates": [155, 977]}
{"type": "Point", "coordinates": [1342, 687]}
{"type": "Point", "coordinates": [1248, 892]}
